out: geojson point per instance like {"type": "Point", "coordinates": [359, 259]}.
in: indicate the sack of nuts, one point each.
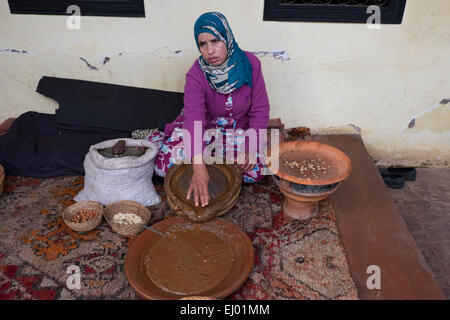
{"type": "Point", "coordinates": [125, 178]}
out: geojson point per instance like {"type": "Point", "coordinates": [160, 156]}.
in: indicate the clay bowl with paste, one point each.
{"type": "Point", "coordinates": [239, 244]}
{"type": "Point", "coordinates": [224, 187]}
{"type": "Point", "coordinates": [306, 173]}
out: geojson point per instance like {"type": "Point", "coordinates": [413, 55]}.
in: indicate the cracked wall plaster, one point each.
{"type": "Point", "coordinates": [357, 129]}
{"type": "Point", "coordinates": [4, 51]}
{"type": "Point", "coordinates": [277, 54]}
{"type": "Point", "coordinates": [90, 66]}
{"type": "Point", "coordinates": [435, 119]}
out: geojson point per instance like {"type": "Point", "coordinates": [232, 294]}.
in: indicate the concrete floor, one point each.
{"type": "Point", "coordinates": [424, 205]}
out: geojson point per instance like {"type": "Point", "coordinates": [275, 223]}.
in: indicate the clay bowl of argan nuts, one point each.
{"type": "Point", "coordinates": [306, 173]}
{"type": "Point", "coordinates": [83, 216]}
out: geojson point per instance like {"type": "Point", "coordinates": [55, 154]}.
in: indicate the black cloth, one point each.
{"type": "Point", "coordinates": [103, 105]}
{"type": "Point", "coordinates": [36, 146]}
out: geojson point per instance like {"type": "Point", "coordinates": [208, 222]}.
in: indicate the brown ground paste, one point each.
{"type": "Point", "coordinates": [188, 261]}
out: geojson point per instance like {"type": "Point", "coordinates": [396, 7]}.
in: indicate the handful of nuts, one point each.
{"type": "Point", "coordinates": [84, 215]}
{"type": "Point", "coordinates": [308, 167]}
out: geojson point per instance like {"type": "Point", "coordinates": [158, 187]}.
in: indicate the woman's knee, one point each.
{"type": "Point", "coordinates": [157, 138]}
{"type": "Point", "coordinates": [254, 175]}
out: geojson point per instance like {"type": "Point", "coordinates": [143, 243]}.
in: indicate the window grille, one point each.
{"type": "Point", "coordinates": [115, 8]}
{"type": "Point", "coordinates": [352, 11]}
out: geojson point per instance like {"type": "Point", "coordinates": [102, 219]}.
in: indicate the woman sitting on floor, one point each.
{"type": "Point", "coordinates": [224, 90]}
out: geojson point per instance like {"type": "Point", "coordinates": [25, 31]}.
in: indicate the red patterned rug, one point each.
{"type": "Point", "coordinates": [294, 259]}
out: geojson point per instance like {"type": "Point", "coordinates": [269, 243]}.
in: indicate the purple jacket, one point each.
{"type": "Point", "coordinates": [202, 103]}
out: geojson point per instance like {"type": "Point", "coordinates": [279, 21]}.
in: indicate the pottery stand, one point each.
{"type": "Point", "coordinates": [302, 193]}
{"type": "Point", "coordinates": [300, 205]}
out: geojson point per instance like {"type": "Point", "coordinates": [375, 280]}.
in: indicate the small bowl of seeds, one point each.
{"type": "Point", "coordinates": [83, 216]}
{"type": "Point", "coordinates": [127, 217]}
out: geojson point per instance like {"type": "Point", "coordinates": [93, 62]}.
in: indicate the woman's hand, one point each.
{"type": "Point", "coordinates": [199, 184]}
{"type": "Point", "coordinates": [246, 165]}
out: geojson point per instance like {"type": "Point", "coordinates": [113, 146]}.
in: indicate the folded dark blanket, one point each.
{"type": "Point", "coordinates": [104, 105]}
{"type": "Point", "coordinates": [36, 146]}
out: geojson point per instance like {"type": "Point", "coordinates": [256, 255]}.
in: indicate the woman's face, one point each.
{"type": "Point", "coordinates": [212, 49]}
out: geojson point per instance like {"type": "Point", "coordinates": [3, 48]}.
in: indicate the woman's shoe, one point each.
{"type": "Point", "coordinates": [407, 173]}
{"type": "Point", "coordinates": [394, 181]}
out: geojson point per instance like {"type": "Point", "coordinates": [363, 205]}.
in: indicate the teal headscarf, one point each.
{"type": "Point", "coordinates": [236, 70]}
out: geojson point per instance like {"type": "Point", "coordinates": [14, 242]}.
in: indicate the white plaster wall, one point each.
{"type": "Point", "coordinates": [339, 77]}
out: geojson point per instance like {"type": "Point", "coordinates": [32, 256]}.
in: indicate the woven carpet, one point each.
{"type": "Point", "coordinates": [294, 259]}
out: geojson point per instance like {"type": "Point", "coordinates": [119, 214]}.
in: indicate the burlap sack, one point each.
{"type": "Point", "coordinates": [123, 178]}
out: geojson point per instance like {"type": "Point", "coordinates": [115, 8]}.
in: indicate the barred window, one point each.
{"type": "Point", "coordinates": [353, 11]}
{"type": "Point", "coordinates": [382, 3]}
{"type": "Point", "coordinates": [116, 8]}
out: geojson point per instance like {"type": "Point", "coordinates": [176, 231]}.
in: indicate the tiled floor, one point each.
{"type": "Point", "coordinates": [425, 207]}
